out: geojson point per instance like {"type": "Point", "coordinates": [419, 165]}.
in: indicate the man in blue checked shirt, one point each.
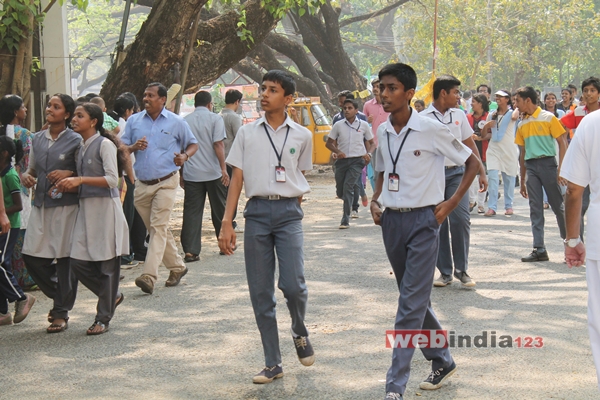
{"type": "Point", "coordinates": [162, 142]}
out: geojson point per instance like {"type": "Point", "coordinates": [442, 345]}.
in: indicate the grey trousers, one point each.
{"type": "Point", "coordinates": [458, 224]}
{"type": "Point", "coordinates": [102, 278]}
{"type": "Point", "coordinates": [56, 281]}
{"type": "Point", "coordinates": [411, 244]}
{"type": "Point", "coordinates": [275, 227]}
{"type": "Point", "coordinates": [193, 211]}
{"type": "Point", "coordinates": [347, 172]}
{"type": "Point", "coordinates": [542, 174]}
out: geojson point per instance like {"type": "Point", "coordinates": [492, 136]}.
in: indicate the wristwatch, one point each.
{"type": "Point", "coordinates": [572, 242]}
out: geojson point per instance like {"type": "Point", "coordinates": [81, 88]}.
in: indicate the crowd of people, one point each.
{"type": "Point", "coordinates": [130, 162]}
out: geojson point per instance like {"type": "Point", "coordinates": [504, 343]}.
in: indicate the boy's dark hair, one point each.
{"type": "Point", "coordinates": [284, 78]}
{"type": "Point", "coordinates": [202, 99]}
{"type": "Point", "coordinates": [570, 86]}
{"type": "Point", "coordinates": [404, 73]}
{"type": "Point", "coordinates": [421, 102]}
{"type": "Point", "coordinates": [527, 92]}
{"type": "Point", "coordinates": [374, 81]}
{"type": "Point", "coordinates": [13, 147]}
{"type": "Point", "coordinates": [232, 96]}
{"type": "Point", "coordinates": [467, 94]}
{"type": "Point", "coordinates": [346, 94]}
{"type": "Point", "coordinates": [90, 96]}
{"type": "Point", "coordinates": [489, 88]}
{"type": "Point", "coordinates": [445, 82]}
{"type": "Point", "coordinates": [131, 96]}
{"type": "Point", "coordinates": [351, 101]}
{"type": "Point", "coordinates": [122, 104]}
{"type": "Point", "coordinates": [162, 90]}
{"type": "Point", "coordinates": [483, 100]}
{"type": "Point", "coordinates": [592, 80]}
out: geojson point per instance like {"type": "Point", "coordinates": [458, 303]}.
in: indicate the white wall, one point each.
{"type": "Point", "coordinates": [55, 50]}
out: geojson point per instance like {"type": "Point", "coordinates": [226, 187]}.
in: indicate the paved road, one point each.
{"type": "Point", "coordinates": [199, 340]}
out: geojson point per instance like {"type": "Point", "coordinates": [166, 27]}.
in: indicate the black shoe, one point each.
{"type": "Point", "coordinates": [305, 352]}
{"type": "Point", "coordinates": [393, 396]}
{"type": "Point", "coordinates": [437, 377]}
{"type": "Point", "coordinates": [536, 256]}
{"type": "Point", "coordinates": [268, 374]}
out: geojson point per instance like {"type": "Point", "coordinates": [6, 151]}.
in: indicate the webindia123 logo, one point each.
{"type": "Point", "coordinates": [440, 338]}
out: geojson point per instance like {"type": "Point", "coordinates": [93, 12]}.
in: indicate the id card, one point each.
{"type": "Point", "coordinates": [279, 174]}
{"type": "Point", "coordinates": [393, 182]}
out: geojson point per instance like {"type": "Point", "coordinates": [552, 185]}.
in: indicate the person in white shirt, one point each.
{"type": "Point", "coordinates": [410, 185]}
{"type": "Point", "coordinates": [581, 167]}
{"type": "Point", "coordinates": [446, 94]}
{"type": "Point", "coordinates": [347, 143]}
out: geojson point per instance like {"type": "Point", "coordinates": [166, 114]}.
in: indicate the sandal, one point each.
{"type": "Point", "coordinates": [91, 331]}
{"type": "Point", "coordinates": [120, 300]}
{"type": "Point", "coordinates": [50, 317]}
{"type": "Point", "coordinates": [56, 328]}
{"type": "Point", "coordinates": [189, 257]}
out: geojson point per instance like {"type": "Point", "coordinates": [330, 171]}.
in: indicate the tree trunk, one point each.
{"type": "Point", "coordinates": [155, 49]}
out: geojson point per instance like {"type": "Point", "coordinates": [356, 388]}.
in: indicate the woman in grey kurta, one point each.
{"type": "Point", "coordinates": [101, 234]}
{"type": "Point", "coordinates": [52, 158]}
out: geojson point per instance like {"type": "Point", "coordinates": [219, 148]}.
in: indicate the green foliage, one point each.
{"type": "Point", "coordinates": [531, 42]}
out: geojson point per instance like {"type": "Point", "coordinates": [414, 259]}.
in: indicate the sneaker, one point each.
{"type": "Point", "coordinates": [536, 255]}
{"type": "Point", "coordinates": [238, 229]}
{"type": "Point", "coordinates": [130, 264]}
{"type": "Point", "coordinates": [472, 206]}
{"type": "Point", "coordinates": [23, 307]}
{"type": "Point", "coordinates": [175, 277]}
{"type": "Point", "coordinates": [464, 278]}
{"type": "Point", "coordinates": [268, 374]}
{"type": "Point", "coordinates": [509, 211]}
{"type": "Point", "coordinates": [365, 200]}
{"type": "Point", "coordinates": [344, 226]}
{"type": "Point", "coordinates": [480, 210]}
{"type": "Point", "coordinates": [145, 283]}
{"type": "Point", "coordinates": [443, 280]}
{"type": "Point", "coordinates": [393, 396]}
{"type": "Point", "coordinates": [354, 214]}
{"type": "Point", "coordinates": [305, 352]}
{"type": "Point", "coordinates": [437, 378]}
{"type": "Point", "coordinates": [490, 213]}
{"type": "Point", "coordinates": [6, 319]}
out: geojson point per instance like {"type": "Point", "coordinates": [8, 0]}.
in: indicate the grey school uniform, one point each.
{"type": "Point", "coordinates": [410, 229]}
{"type": "Point", "coordinates": [274, 226]}
{"type": "Point", "coordinates": [101, 234]}
{"type": "Point", "coordinates": [50, 226]}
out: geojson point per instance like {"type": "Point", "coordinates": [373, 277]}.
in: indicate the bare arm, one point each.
{"type": "Point", "coordinates": [219, 148]}
{"type": "Point", "coordinates": [332, 145]}
{"type": "Point", "coordinates": [483, 182]}
{"type": "Point", "coordinates": [523, 171]}
{"type": "Point", "coordinates": [375, 209]}
{"type": "Point", "coordinates": [445, 208]}
{"type": "Point", "coordinates": [227, 237]}
{"type": "Point", "coordinates": [562, 149]}
{"type": "Point", "coordinates": [575, 256]}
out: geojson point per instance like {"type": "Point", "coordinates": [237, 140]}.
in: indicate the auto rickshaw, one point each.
{"type": "Point", "coordinates": [313, 116]}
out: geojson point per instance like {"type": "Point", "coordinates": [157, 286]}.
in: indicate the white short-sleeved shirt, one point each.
{"type": "Point", "coordinates": [351, 137]}
{"type": "Point", "coordinates": [421, 162]}
{"type": "Point", "coordinates": [581, 166]}
{"type": "Point", "coordinates": [456, 120]}
{"type": "Point", "coordinates": [252, 152]}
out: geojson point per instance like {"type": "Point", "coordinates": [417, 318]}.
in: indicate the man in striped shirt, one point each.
{"type": "Point", "coordinates": [535, 136]}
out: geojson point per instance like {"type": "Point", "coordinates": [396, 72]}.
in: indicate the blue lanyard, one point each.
{"type": "Point", "coordinates": [273, 144]}
{"type": "Point", "coordinates": [395, 161]}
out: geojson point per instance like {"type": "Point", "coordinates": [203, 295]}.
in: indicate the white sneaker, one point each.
{"type": "Point", "coordinates": [354, 214]}
{"type": "Point", "coordinates": [239, 229]}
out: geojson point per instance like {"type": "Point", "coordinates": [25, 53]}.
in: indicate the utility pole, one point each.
{"type": "Point", "coordinates": [121, 43]}
{"type": "Point", "coordinates": [186, 62]}
{"type": "Point", "coordinates": [489, 46]}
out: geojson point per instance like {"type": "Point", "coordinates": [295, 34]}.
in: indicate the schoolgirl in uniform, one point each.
{"type": "Point", "coordinates": [101, 234]}
{"type": "Point", "coordinates": [52, 158]}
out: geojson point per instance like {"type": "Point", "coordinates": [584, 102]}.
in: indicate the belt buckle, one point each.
{"type": "Point", "coordinates": [274, 197]}
{"type": "Point", "coordinates": [405, 209]}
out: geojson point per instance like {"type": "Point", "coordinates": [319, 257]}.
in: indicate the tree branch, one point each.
{"type": "Point", "coordinates": [373, 14]}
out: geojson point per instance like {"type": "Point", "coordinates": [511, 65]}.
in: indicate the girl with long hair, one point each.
{"type": "Point", "coordinates": [481, 107]}
{"type": "Point", "coordinates": [47, 245]}
{"type": "Point", "coordinates": [99, 239]}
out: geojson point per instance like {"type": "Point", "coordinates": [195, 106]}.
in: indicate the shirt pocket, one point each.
{"type": "Point", "coordinates": [165, 140]}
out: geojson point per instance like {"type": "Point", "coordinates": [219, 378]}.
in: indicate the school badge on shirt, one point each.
{"type": "Point", "coordinates": [61, 157]}
{"type": "Point", "coordinates": [89, 160]}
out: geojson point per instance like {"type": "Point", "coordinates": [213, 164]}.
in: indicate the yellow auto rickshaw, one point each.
{"type": "Point", "coordinates": [312, 115]}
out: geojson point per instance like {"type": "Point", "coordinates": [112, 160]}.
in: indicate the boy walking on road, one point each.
{"type": "Point", "coordinates": [269, 157]}
{"type": "Point", "coordinates": [410, 185]}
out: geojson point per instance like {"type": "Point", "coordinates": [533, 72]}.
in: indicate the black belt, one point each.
{"type": "Point", "coordinates": [155, 181]}
{"type": "Point", "coordinates": [403, 210]}
{"type": "Point", "coordinates": [453, 167]}
{"type": "Point", "coordinates": [273, 197]}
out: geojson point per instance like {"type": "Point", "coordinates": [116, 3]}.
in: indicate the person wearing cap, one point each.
{"type": "Point", "coordinates": [414, 209]}
{"type": "Point", "coordinates": [446, 94]}
{"type": "Point", "coordinates": [536, 135]}
{"type": "Point", "coordinates": [269, 158]}
{"type": "Point", "coordinates": [352, 145]}
{"type": "Point", "coordinates": [162, 142]}
{"type": "Point", "coordinates": [502, 154]}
